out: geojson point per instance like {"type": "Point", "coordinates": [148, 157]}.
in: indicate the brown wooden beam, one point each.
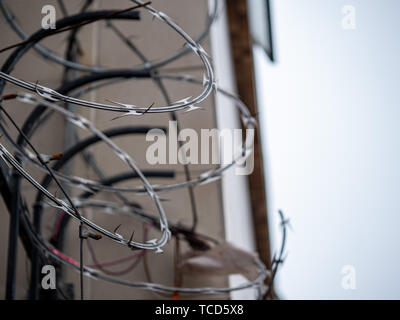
{"type": "Point", "coordinates": [244, 69]}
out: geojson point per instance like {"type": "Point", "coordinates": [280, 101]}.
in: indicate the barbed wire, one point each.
{"type": "Point", "coordinates": [27, 155]}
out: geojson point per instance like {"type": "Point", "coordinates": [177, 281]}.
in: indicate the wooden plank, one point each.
{"type": "Point", "coordinates": [244, 69]}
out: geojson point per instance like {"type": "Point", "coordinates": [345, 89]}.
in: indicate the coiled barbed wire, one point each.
{"type": "Point", "coordinates": [47, 98]}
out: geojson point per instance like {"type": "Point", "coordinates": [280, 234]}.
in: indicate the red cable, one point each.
{"type": "Point", "coordinates": [138, 255]}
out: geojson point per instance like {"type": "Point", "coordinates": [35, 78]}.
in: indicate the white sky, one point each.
{"type": "Point", "coordinates": [330, 123]}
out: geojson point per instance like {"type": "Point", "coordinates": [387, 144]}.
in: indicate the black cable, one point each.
{"type": "Point", "coordinates": [13, 239]}
{"type": "Point", "coordinates": [210, 19]}
{"type": "Point", "coordinates": [81, 261]}
{"type": "Point", "coordinates": [64, 22]}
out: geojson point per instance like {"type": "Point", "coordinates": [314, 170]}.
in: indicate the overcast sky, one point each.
{"type": "Point", "coordinates": [330, 124]}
